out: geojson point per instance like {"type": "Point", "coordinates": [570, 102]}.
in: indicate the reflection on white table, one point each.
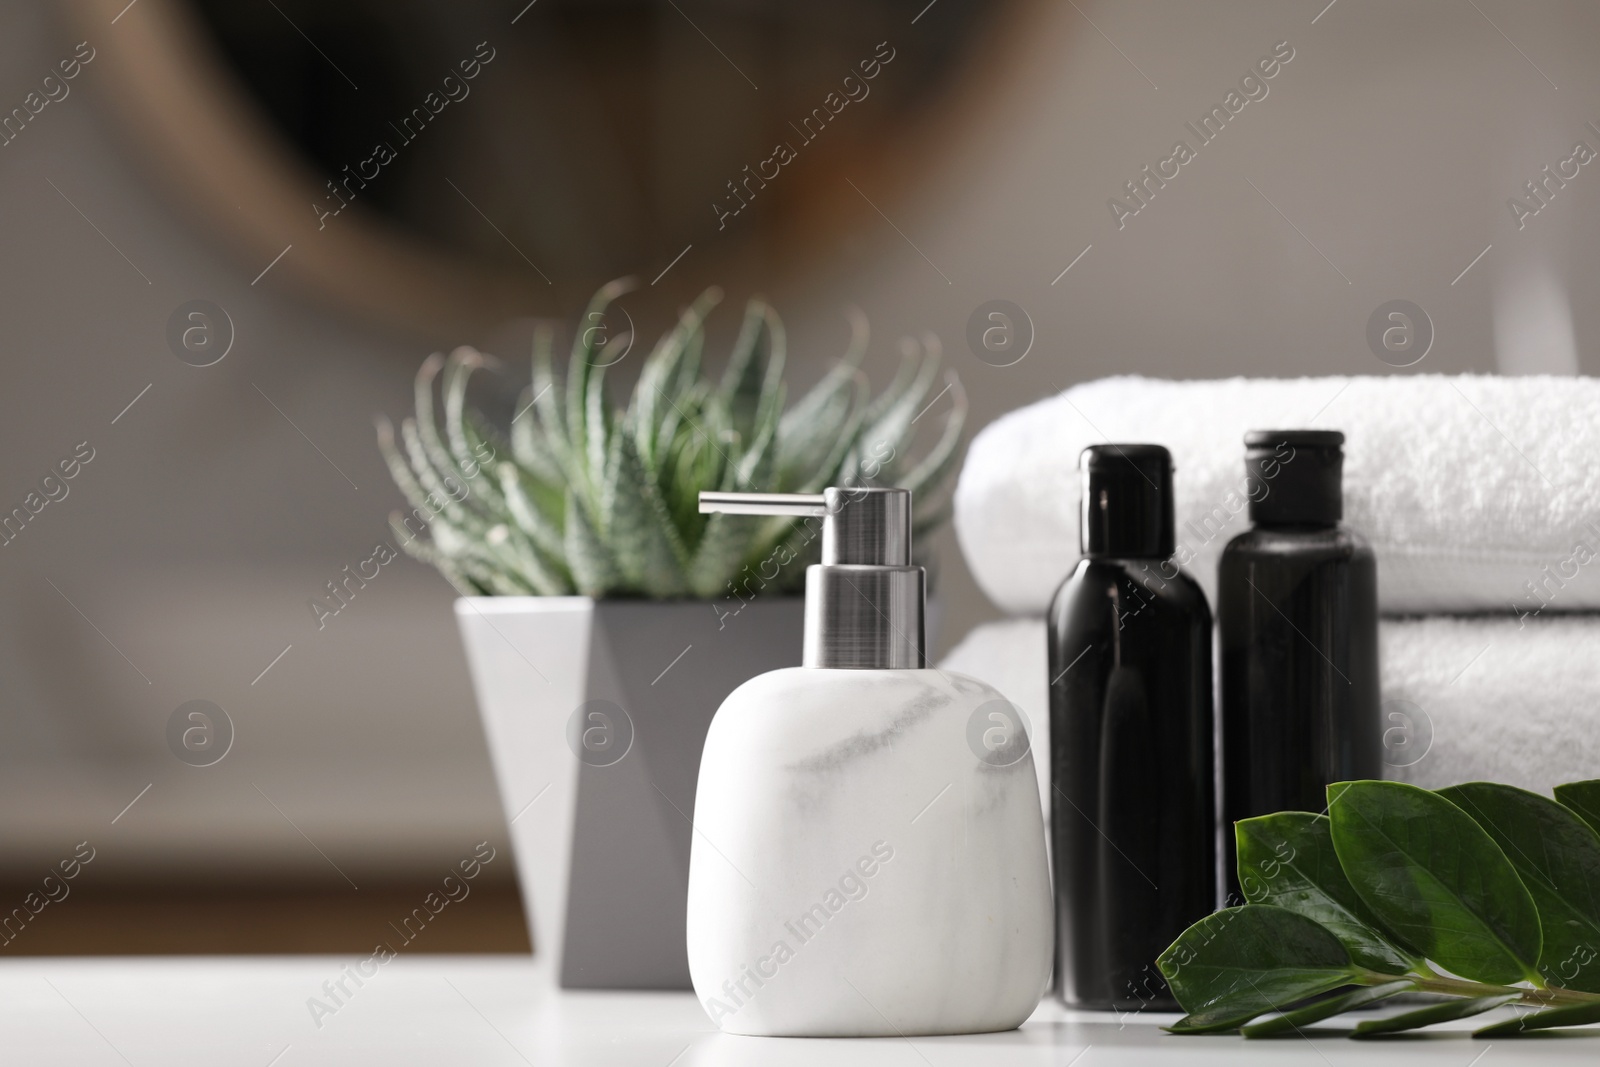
{"type": "Point", "coordinates": [479, 1010]}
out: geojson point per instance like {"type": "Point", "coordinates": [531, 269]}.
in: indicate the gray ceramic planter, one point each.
{"type": "Point", "coordinates": [595, 713]}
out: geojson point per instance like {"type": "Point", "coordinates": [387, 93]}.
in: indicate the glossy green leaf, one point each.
{"type": "Point", "coordinates": [1290, 1022]}
{"type": "Point", "coordinates": [1570, 1015]}
{"type": "Point", "coordinates": [1442, 1012]}
{"type": "Point", "coordinates": [1288, 860]}
{"type": "Point", "coordinates": [1243, 962]}
{"type": "Point", "coordinates": [1583, 798]}
{"type": "Point", "coordinates": [1226, 1015]}
{"type": "Point", "coordinates": [1436, 880]}
{"type": "Point", "coordinates": [1557, 856]}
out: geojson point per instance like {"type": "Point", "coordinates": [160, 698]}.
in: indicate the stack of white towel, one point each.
{"type": "Point", "coordinates": [1480, 496]}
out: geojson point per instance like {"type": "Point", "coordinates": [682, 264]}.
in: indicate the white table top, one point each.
{"type": "Point", "coordinates": [471, 1010]}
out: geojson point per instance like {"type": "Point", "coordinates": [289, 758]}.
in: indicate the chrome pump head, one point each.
{"type": "Point", "coordinates": [864, 601]}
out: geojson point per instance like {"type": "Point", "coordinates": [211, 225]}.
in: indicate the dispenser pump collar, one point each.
{"type": "Point", "coordinates": [864, 602]}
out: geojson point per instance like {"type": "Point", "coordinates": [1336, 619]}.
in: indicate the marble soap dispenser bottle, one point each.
{"type": "Point", "coordinates": [869, 855]}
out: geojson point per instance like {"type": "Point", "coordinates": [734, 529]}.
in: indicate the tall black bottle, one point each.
{"type": "Point", "coordinates": [1297, 606]}
{"type": "Point", "coordinates": [1132, 808]}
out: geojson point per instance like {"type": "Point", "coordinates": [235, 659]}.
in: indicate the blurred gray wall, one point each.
{"type": "Point", "coordinates": [180, 564]}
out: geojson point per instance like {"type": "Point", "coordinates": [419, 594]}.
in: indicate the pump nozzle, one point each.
{"type": "Point", "coordinates": [864, 602]}
{"type": "Point", "coordinates": [861, 527]}
{"type": "Point", "coordinates": [763, 503]}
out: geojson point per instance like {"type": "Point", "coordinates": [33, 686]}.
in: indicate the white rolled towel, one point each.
{"type": "Point", "coordinates": [1477, 493]}
{"type": "Point", "coordinates": [1485, 698]}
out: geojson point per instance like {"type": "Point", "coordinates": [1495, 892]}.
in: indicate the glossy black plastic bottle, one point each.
{"type": "Point", "coordinates": [1132, 803]}
{"type": "Point", "coordinates": [1297, 607]}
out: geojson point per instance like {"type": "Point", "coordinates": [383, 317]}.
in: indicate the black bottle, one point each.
{"type": "Point", "coordinates": [1132, 807]}
{"type": "Point", "coordinates": [1297, 606]}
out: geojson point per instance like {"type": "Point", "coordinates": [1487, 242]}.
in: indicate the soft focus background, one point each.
{"type": "Point", "coordinates": [189, 161]}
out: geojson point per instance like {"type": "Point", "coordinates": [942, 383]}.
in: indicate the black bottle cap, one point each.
{"type": "Point", "coordinates": [1295, 476]}
{"type": "Point", "coordinates": [1127, 502]}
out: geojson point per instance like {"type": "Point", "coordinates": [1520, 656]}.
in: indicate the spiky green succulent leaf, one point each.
{"type": "Point", "coordinates": [633, 523]}
{"type": "Point", "coordinates": [812, 429]}
{"type": "Point", "coordinates": [578, 496]}
{"type": "Point", "coordinates": [594, 573]}
{"type": "Point", "coordinates": [670, 380]}
{"type": "Point", "coordinates": [755, 370]}
{"type": "Point", "coordinates": [525, 503]}
{"type": "Point", "coordinates": [586, 343]}
{"type": "Point", "coordinates": [935, 467]}
{"type": "Point", "coordinates": [889, 423]}
{"type": "Point", "coordinates": [529, 445]}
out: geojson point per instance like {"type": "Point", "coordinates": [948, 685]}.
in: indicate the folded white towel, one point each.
{"type": "Point", "coordinates": [1489, 698]}
{"type": "Point", "coordinates": [1501, 700]}
{"type": "Point", "coordinates": [1476, 492]}
{"type": "Point", "coordinates": [1010, 655]}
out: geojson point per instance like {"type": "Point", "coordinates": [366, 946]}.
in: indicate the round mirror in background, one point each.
{"type": "Point", "coordinates": [439, 167]}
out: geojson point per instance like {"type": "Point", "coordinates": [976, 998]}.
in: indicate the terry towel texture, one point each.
{"type": "Point", "coordinates": [1464, 699]}
{"type": "Point", "coordinates": [1477, 493]}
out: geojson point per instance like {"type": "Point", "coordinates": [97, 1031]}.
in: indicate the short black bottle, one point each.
{"type": "Point", "coordinates": [1132, 805]}
{"type": "Point", "coordinates": [1297, 607]}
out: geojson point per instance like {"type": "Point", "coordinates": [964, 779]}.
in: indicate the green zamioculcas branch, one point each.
{"type": "Point", "coordinates": [1478, 896]}
{"type": "Point", "coordinates": [577, 496]}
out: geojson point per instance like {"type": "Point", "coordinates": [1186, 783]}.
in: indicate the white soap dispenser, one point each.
{"type": "Point", "coordinates": [869, 855]}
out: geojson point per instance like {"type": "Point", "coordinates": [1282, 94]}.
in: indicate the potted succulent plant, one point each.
{"type": "Point", "coordinates": [605, 618]}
